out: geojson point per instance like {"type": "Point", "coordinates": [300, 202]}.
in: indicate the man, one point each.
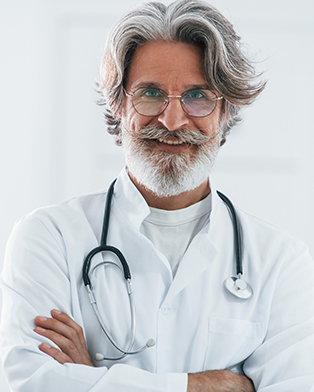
{"type": "Point", "coordinates": [173, 81]}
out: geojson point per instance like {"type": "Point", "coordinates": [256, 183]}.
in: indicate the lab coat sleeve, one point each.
{"type": "Point", "coordinates": [285, 360]}
{"type": "Point", "coordinates": [35, 280]}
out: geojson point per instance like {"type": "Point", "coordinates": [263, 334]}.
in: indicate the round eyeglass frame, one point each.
{"type": "Point", "coordinates": [167, 96]}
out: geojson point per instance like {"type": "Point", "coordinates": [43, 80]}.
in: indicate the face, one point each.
{"type": "Point", "coordinates": [173, 152]}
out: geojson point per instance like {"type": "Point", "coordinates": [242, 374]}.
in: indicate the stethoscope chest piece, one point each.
{"type": "Point", "coordinates": [238, 287]}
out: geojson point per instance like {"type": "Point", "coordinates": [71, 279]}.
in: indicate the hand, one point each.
{"type": "Point", "coordinates": [67, 335]}
{"type": "Point", "coordinates": [219, 381]}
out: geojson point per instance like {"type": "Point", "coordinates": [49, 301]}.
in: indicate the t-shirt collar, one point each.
{"type": "Point", "coordinates": [133, 205]}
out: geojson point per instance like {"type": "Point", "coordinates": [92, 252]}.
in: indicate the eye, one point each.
{"type": "Point", "coordinates": [195, 94]}
{"type": "Point", "coordinates": [148, 93]}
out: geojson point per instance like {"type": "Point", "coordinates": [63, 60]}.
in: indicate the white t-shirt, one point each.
{"type": "Point", "coordinates": [172, 231]}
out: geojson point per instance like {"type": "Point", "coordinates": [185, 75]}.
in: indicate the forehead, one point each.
{"type": "Point", "coordinates": [170, 65]}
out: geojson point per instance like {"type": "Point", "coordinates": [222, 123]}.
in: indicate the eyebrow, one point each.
{"type": "Point", "coordinates": [160, 87]}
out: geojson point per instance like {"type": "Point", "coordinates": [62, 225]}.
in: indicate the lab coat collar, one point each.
{"type": "Point", "coordinates": [130, 200]}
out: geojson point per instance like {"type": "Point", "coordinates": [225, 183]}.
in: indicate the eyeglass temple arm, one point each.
{"type": "Point", "coordinates": [127, 94]}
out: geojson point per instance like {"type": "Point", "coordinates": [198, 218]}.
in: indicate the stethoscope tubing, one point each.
{"type": "Point", "coordinates": [102, 324]}
{"type": "Point", "coordinates": [236, 231]}
{"type": "Point", "coordinates": [233, 285]}
{"type": "Point", "coordinates": [103, 247]}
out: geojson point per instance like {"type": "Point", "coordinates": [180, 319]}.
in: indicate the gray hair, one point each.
{"type": "Point", "coordinates": [226, 67]}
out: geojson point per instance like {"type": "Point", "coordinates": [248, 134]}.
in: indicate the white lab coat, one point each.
{"type": "Point", "coordinates": [196, 323]}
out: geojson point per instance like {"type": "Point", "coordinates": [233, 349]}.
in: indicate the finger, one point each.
{"type": "Point", "coordinates": [66, 338]}
{"type": "Point", "coordinates": [56, 354]}
{"type": "Point", "coordinates": [47, 323]}
{"type": "Point", "coordinates": [73, 331]}
{"type": "Point", "coordinates": [66, 345]}
{"type": "Point", "coordinates": [61, 341]}
{"type": "Point", "coordinates": [63, 317]}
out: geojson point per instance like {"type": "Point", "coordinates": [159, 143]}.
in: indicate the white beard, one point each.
{"type": "Point", "coordinates": [164, 173]}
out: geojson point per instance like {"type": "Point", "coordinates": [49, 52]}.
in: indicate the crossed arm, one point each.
{"type": "Point", "coordinates": [69, 337]}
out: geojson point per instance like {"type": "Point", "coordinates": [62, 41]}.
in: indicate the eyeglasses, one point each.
{"type": "Point", "coordinates": [153, 101]}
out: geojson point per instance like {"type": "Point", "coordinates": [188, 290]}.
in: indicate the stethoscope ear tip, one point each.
{"type": "Point", "coordinates": [150, 343]}
{"type": "Point", "coordinates": [99, 357]}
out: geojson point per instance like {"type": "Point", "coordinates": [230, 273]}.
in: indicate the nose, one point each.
{"type": "Point", "coordinates": [173, 117]}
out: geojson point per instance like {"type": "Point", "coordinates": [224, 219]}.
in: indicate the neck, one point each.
{"type": "Point", "coordinates": [177, 202]}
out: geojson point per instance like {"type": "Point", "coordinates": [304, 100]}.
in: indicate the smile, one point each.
{"type": "Point", "coordinates": [172, 142]}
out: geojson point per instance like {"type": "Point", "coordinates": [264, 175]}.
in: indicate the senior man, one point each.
{"type": "Point", "coordinates": [173, 80]}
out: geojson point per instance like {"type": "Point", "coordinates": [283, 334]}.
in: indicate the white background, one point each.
{"type": "Point", "coordinates": [54, 143]}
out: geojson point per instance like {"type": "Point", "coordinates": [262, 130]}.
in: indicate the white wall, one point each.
{"type": "Point", "coordinates": [54, 144]}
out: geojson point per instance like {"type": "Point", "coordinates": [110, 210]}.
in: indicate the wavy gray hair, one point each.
{"type": "Point", "coordinates": [226, 67]}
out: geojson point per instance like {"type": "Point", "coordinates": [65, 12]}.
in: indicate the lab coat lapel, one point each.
{"type": "Point", "coordinates": [206, 250]}
{"type": "Point", "coordinates": [201, 254]}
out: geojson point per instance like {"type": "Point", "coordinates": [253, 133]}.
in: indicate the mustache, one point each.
{"type": "Point", "coordinates": [189, 136]}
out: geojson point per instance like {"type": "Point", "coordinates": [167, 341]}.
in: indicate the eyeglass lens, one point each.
{"type": "Point", "coordinates": [152, 102]}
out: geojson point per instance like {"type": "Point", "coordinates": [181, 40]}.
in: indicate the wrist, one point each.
{"type": "Point", "coordinates": [219, 381]}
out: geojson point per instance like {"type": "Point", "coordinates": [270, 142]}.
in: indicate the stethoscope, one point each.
{"type": "Point", "coordinates": [235, 285]}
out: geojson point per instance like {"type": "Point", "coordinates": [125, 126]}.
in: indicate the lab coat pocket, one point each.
{"type": "Point", "coordinates": [231, 341]}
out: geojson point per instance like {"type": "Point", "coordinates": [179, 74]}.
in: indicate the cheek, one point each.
{"type": "Point", "coordinates": [213, 122]}
{"type": "Point", "coordinates": [209, 126]}
{"type": "Point", "coordinates": [133, 120]}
